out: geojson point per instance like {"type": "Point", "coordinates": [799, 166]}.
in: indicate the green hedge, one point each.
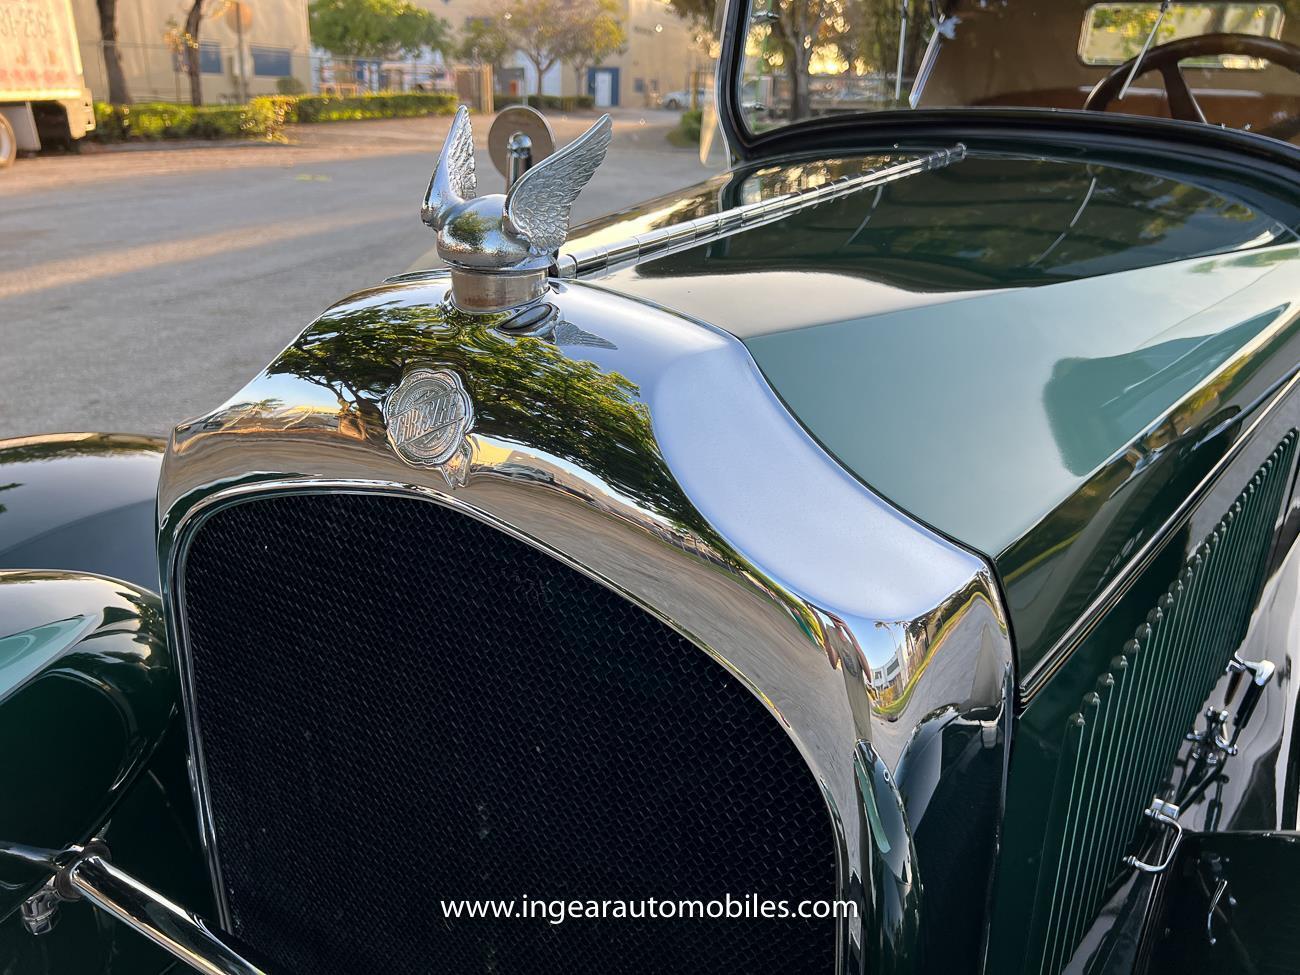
{"type": "Point", "coordinates": [689, 125]}
{"type": "Point", "coordinates": [333, 108]}
{"type": "Point", "coordinates": [555, 103]}
{"type": "Point", "coordinates": [261, 118]}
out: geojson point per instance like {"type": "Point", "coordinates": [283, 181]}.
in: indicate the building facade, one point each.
{"type": "Point", "coordinates": [664, 53]}
{"type": "Point", "coordinates": [257, 47]}
{"type": "Point", "coordinates": [246, 48]}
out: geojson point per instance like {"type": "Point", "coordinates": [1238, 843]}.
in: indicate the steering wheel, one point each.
{"type": "Point", "coordinates": [1165, 58]}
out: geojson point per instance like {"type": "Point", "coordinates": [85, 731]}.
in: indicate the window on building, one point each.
{"type": "Point", "coordinates": [274, 62]}
{"type": "Point", "coordinates": [209, 58]}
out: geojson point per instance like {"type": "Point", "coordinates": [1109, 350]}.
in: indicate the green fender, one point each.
{"type": "Point", "coordinates": [82, 502]}
{"type": "Point", "coordinates": [90, 746]}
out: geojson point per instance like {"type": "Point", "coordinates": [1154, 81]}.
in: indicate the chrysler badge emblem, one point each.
{"type": "Point", "coordinates": [428, 416]}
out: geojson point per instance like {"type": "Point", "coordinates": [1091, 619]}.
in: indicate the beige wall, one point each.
{"type": "Point", "coordinates": [148, 64]}
{"type": "Point", "coordinates": [662, 52]}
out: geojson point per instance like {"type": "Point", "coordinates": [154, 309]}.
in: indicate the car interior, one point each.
{"type": "Point", "coordinates": [1233, 63]}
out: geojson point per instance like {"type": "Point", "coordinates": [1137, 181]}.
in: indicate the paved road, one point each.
{"type": "Point", "coordinates": [139, 288]}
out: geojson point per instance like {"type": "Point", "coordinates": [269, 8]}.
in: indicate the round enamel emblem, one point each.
{"type": "Point", "coordinates": [428, 416]}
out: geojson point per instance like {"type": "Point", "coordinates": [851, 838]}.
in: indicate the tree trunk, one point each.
{"type": "Point", "coordinates": [796, 64]}
{"type": "Point", "coordinates": [802, 76]}
{"type": "Point", "coordinates": [193, 21]}
{"type": "Point", "coordinates": [799, 107]}
{"type": "Point", "coordinates": [789, 36]}
{"type": "Point", "coordinates": [117, 92]}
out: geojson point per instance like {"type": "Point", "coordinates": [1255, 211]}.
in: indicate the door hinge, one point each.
{"type": "Point", "coordinates": [1166, 814]}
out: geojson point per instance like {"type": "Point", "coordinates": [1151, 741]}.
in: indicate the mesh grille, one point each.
{"type": "Point", "coordinates": [400, 705]}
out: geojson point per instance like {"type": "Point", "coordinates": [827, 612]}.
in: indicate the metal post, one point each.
{"type": "Point", "coordinates": [519, 150]}
{"type": "Point", "coordinates": [239, 34]}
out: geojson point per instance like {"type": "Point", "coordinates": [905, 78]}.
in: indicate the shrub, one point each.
{"type": "Point", "coordinates": [110, 122]}
{"type": "Point", "coordinates": [554, 103]}
{"type": "Point", "coordinates": [260, 118]}
{"type": "Point", "coordinates": [289, 85]}
{"type": "Point", "coordinates": [410, 104]}
{"type": "Point", "coordinates": [690, 124]}
{"type": "Point", "coordinates": [280, 110]}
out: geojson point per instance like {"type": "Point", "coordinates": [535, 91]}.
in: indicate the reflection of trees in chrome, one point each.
{"type": "Point", "coordinates": [524, 389]}
{"type": "Point", "coordinates": [60, 446]}
{"type": "Point", "coordinates": [63, 446]}
{"type": "Point", "coordinates": [8, 487]}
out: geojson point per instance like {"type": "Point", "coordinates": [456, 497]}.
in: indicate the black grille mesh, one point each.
{"type": "Point", "coordinates": [400, 705]}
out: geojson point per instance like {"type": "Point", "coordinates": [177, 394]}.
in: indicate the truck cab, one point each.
{"type": "Point", "coordinates": [43, 93]}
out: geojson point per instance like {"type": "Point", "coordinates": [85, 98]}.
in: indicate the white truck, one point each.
{"type": "Point", "coordinates": [42, 88]}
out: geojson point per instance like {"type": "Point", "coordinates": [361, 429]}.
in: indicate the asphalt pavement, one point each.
{"type": "Point", "coordinates": [139, 288]}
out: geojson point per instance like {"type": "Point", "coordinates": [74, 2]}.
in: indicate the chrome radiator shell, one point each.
{"type": "Point", "coordinates": [855, 626]}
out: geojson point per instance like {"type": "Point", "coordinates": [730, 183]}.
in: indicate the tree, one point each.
{"type": "Point", "coordinates": [796, 37]}
{"type": "Point", "coordinates": [190, 38]}
{"type": "Point", "coordinates": [596, 34]}
{"type": "Point", "coordinates": [117, 92]}
{"type": "Point", "coordinates": [484, 42]}
{"type": "Point", "coordinates": [701, 13]}
{"type": "Point", "coordinates": [795, 26]}
{"type": "Point", "coordinates": [539, 30]}
{"type": "Point", "coordinates": [376, 29]}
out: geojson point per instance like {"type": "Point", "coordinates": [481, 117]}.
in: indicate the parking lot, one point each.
{"type": "Point", "coordinates": [144, 286]}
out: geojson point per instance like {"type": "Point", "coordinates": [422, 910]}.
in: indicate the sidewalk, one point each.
{"type": "Point", "coordinates": [320, 142]}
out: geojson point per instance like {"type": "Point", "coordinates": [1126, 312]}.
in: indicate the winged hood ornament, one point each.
{"type": "Point", "coordinates": [500, 248]}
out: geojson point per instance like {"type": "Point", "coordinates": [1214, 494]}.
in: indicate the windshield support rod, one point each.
{"type": "Point", "coordinates": [902, 48]}
{"type": "Point", "coordinates": [1146, 46]}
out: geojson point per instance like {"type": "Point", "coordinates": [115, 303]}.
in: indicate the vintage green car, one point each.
{"type": "Point", "coordinates": [878, 558]}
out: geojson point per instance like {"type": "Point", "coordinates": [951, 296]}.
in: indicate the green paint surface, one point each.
{"type": "Point", "coordinates": [1024, 353]}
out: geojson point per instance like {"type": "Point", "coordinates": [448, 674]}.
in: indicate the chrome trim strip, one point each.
{"type": "Point", "coordinates": [691, 233]}
{"type": "Point", "coordinates": [178, 931]}
{"type": "Point", "coordinates": [706, 504]}
{"type": "Point", "coordinates": [1037, 678]}
{"type": "Point", "coordinates": [178, 633]}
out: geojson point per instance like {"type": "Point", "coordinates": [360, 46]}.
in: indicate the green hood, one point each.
{"type": "Point", "coordinates": [1005, 348]}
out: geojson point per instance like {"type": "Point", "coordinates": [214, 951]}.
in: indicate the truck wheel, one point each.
{"type": "Point", "coordinates": [8, 143]}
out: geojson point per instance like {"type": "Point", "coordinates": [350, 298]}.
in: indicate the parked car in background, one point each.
{"type": "Point", "coordinates": [681, 99]}
{"type": "Point", "coordinates": [883, 553]}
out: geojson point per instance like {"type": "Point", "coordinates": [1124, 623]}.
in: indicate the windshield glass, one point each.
{"type": "Point", "coordinates": [1233, 64]}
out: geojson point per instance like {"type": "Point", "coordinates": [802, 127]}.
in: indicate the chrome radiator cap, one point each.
{"type": "Point", "coordinates": [500, 247]}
